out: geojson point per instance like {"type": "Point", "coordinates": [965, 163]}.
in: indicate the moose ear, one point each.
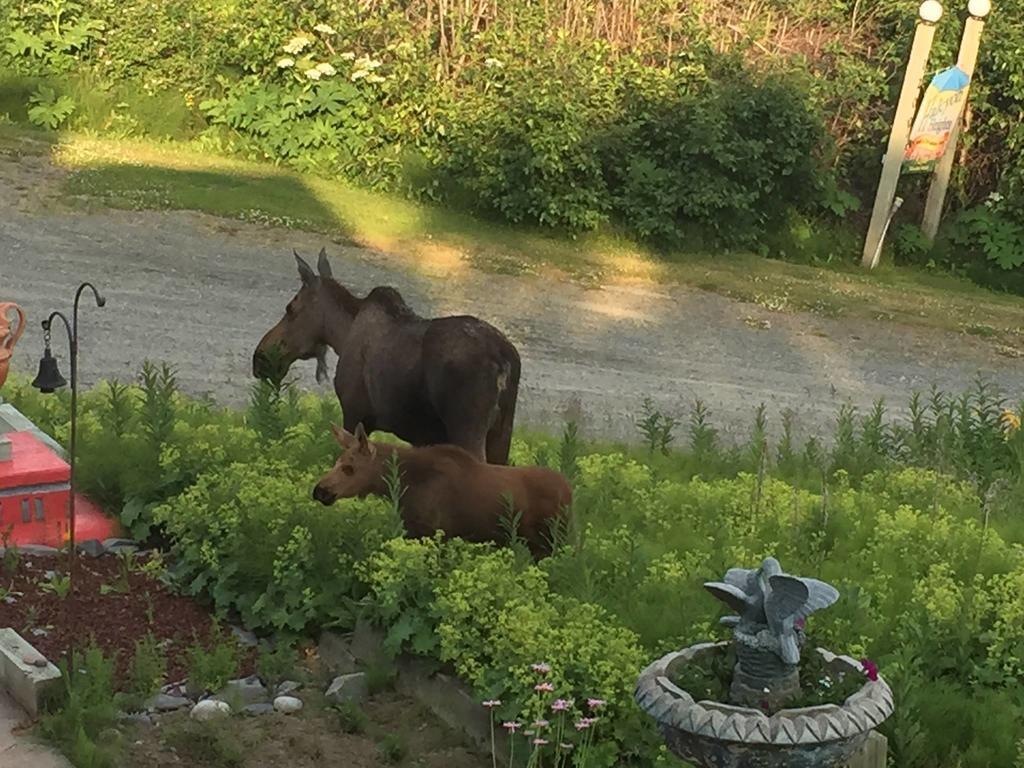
{"type": "Point", "coordinates": [344, 439]}
{"type": "Point", "coordinates": [322, 265]}
{"type": "Point", "coordinates": [305, 271]}
{"type": "Point", "coordinates": [364, 442]}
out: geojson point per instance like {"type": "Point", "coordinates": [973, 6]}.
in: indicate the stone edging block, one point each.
{"type": "Point", "coordinates": [25, 673]}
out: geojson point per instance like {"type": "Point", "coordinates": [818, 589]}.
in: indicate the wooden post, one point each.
{"type": "Point", "coordinates": [966, 60]}
{"type": "Point", "coordinates": [930, 12]}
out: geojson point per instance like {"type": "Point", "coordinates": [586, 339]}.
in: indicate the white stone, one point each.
{"type": "Point", "coordinates": [210, 709]}
{"type": "Point", "coordinates": [287, 687]}
{"type": "Point", "coordinates": [287, 704]}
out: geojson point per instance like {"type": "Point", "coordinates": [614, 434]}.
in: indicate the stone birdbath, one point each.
{"type": "Point", "coordinates": [761, 723]}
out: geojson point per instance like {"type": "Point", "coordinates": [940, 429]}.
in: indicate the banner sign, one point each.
{"type": "Point", "coordinates": [940, 108]}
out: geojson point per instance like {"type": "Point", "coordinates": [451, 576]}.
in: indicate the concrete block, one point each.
{"type": "Point", "coordinates": [348, 688]}
{"type": "Point", "coordinates": [335, 655]}
{"type": "Point", "coordinates": [873, 754]}
{"type": "Point", "coordinates": [367, 644]}
{"type": "Point", "coordinates": [25, 673]}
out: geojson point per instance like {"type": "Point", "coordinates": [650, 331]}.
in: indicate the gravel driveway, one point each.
{"type": "Point", "coordinates": [198, 292]}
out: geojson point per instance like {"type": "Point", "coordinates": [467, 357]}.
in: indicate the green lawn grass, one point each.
{"type": "Point", "coordinates": [141, 174]}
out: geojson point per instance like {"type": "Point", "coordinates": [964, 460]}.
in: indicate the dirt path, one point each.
{"type": "Point", "coordinates": [198, 292]}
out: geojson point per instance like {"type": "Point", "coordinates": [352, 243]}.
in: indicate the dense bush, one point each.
{"type": "Point", "coordinates": [699, 127]}
{"type": "Point", "coordinates": [917, 523]}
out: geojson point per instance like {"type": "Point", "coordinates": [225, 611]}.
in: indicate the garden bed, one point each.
{"type": "Point", "coordinates": [116, 601]}
{"type": "Point", "coordinates": [388, 729]}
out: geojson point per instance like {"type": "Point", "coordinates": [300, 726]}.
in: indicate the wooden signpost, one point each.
{"type": "Point", "coordinates": [930, 12]}
{"type": "Point", "coordinates": [966, 61]}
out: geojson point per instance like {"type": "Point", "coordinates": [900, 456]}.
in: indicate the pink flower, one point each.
{"type": "Point", "coordinates": [541, 724]}
{"type": "Point", "coordinates": [799, 623]}
{"type": "Point", "coordinates": [583, 724]}
{"type": "Point", "coordinates": [560, 705]}
{"type": "Point", "coordinates": [541, 669]}
{"type": "Point", "coordinates": [528, 733]}
{"type": "Point", "coordinates": [492, 703]}
{"type": "Point", "coordinates": [596, 703]}
{"type": "Point", "coordinates": [539, 742]}
{"type": "Point", "coordinates": [512, 726]}
{"type": "Point", "coordinates": [870, 669]}
{"type": "Point", "coordinates": [544, 687]}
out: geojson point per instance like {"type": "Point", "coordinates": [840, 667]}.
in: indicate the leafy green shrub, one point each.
{"type": "Point", "coordinates": [393, 748]}
{"type": "Point", "coordinates": [276, 665]}
{"type": "Point", "coordinates": [212, 664]}
{"type": "Point", "coordinates": [148, 668]}
{"type": "Point", "coordinates": [728, 157]}
{"type": "Point", "coordinates": [351, 717]}
{"type": "Point", "coordinates": [915, 521]}
{"type": "Point", "coordinates": [252, 537]}
{"type": "Point", "coordinates": [527, 150]}
{"type": "Point", "coordinates": [86, 709]}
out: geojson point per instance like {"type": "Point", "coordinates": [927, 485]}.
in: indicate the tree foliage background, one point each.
{"type": "Point", "coordinates": [702, 124]}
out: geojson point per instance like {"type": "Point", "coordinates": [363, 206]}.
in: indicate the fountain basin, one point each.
{"type": "Point", "coordinates": [720, 735]}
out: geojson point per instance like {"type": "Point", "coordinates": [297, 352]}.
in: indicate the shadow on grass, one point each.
{"type": "Point", "coordinates": [273, 198]}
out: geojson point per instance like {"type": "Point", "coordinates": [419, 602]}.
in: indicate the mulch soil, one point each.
{"type": "Point", "coordinates": [132, 605]}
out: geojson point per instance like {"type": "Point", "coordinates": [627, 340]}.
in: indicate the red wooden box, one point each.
{"type": "Point", "coordinates": [34, 490]}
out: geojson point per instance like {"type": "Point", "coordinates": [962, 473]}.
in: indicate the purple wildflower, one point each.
{"type": "Point", "coordinates": [596, 703]}
{"type": "Point", "coordinates": [511, 726]}
{"type": "Point", "coordinates": [560, 705]}
{"type": "Point", "coordinates": [492, 703]}
{"type": "Point", "coordinates": [539, 742]}
{"type": "Point", "coordinates": [545, 687]}
{"type": "Point", "coordinates": [541, 669]}
{"type": "Point", "coordinates": [541, 724]}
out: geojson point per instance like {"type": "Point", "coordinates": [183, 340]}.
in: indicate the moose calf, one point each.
{"type": "Point", "coordinates": [446, 488]}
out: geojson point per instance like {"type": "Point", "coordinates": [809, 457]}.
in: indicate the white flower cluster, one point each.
{"type": "Point", "coordinates": [297, 45]}
{"type": "Point", "coordinates": [364, 69]}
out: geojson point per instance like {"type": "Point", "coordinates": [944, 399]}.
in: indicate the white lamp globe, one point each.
{"type": "Point", "coordinates": [979, 8]}
{"type": "Point", "coordinates": [930, 11]}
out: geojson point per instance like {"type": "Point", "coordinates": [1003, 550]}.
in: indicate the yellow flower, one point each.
{"type": "Point", "coordinates": [1010, 422]}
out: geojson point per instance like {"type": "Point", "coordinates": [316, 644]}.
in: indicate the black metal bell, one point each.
{"type": "Point", "coordinates": [49, 377]}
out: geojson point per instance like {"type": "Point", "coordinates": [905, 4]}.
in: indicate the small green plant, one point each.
{"type": "Point", "coordinates": [569, 450]}
{"type": "Point", "coordinates": [87, 708]}
{"type": "Point", "coordinates": [277, 665]}
{"type": "Point", "coordinates": [380, 677]}
{"type": "Point", "coordinates": [148, 668]}
{"type": "Point", "coordinates": [393, 748]}
{"type": "Point", "coordinates": [159, 388]}
{"type": "Point", "coordinates": [12, 555]}
{"type": "Point", "coordinates": [393, 482]}
{"type": "Point", "coordinates": [58, 584]}
{"type": "Point", "coordinates": [207, 744]}
{"type": "Point", "coordinates": [47, 109]}
{"type": "Point", "coordinates": [126, 566]}
{"type": "Point", "coordinates": [351, 717]}
{"type": "Point", "coordinates": [703, 437]}
{"type": "Point", "coordinates": [210, 670]}
{"type": "Point", "coordinates": [656, 427]}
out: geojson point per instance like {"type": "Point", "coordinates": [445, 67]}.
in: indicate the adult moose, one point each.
{"type": "Point", "coordinates": [429, 381]}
